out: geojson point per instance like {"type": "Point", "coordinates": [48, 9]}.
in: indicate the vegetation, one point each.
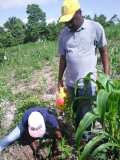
{"type": "Point", "coordinates": [28, 48]}
{"type": "Point", "coordinates": [17, 71]}
{"type": "Point", "coordinates": [15, 32]}
{"type": "Point", "coordinates": [106, 111]}
{"type": "Point", "coordinates": [36, 23]}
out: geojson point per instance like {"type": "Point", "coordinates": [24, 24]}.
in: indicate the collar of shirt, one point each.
{"type": "Point", "coordinates": [83, 26]}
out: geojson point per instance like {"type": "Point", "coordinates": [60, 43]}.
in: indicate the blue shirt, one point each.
{"type": "Point", "coordinates": [49, 117]}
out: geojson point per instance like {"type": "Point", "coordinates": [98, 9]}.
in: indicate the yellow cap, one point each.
{"type": "Point", "coordinates": [68, 10]}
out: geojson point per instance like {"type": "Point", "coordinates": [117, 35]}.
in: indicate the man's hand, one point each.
{"type": "Point", "coordinates": [58, 134]}
{"type": "Point", "coordinates": [62, 66]}
{"type": "Point", "coordinates": [60, 84]}
{"type": "Point", "coordinates": [34, 146]}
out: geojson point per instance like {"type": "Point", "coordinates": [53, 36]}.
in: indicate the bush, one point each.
{"type": "Point", "coordinates": [2, 54]}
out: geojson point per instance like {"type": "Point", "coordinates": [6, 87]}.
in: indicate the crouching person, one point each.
{"type": "Point", "coordinates": [37, 123]}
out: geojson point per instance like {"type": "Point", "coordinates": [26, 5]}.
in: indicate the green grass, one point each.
{"type": "Point", "coordinates": [22, 60]}
{"type": "Point", "coordinates": [113, 32]}
{"type": "Point", "coordinates": [114, 52]}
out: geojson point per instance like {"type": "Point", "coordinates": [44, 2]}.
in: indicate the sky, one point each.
{"type": "Point", "coordinates": [52, 8]}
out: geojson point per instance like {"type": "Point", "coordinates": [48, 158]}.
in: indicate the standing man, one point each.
{"type": "Point", "coordinates": [78, 42]}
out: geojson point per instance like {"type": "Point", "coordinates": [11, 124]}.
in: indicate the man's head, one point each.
{"type": "Point", "coordinates": [71, 14]}
{"type": "Point", "coordinates": [75, 22]}
{"type": "Point", "coordinates": [36, 125]}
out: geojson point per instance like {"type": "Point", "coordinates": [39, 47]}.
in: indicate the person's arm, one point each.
{"type": "Point", "coordinates": [105, 59]}
{"type": "Point", "coordinates": [10, 138]}
{"type": "Point", "coordinates": [62, 61]}
{"type": "Point", "coordinates": [52, 119]}
{"type": "Point", "coordinates": [102, 46]}
{"type": "Point", "coordinates": [62, 66]}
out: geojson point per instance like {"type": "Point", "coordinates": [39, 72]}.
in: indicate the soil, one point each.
{"type": "Point", "coordinates": [20, 151]}
{"type": "Point", "coordinates": [42, 84]}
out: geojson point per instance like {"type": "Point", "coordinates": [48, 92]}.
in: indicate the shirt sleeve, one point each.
{"type": "Point", "coordinates": [25, 119]}
{"type": "Point", "coordinates": [61, 46]}
{"type": "Point", "coordinates": [100, 36]}
{"type": "Point", "coordinates": [51, 119]}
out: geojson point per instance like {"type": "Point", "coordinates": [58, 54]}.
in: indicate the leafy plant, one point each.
{"type": "Point", "coordinates": [2, 54]}
{"type": "Point", "coordinates": [65, 149]}
{"type": "Point", "coordinates": [107, 112]}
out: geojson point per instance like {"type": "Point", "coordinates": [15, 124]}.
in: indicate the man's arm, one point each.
{"type": "Point", "coordinates": [62, 66]}
{"type": "Point", "coordinates": [105, 59]}
{"type": "Point", "coordinates": [52, 119]}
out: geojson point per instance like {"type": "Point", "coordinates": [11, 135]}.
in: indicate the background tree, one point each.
{"type": "Point", "coordinates": [102, 19]}
{"type": "Point", "coordinates": [1, 29]}
{"type": "Point", "coordinates": [114, 19]}
{"type": "Point", "coordinates": [1, 36]}
{"type": "Point", "coordinates": [53, 30]}
{"type": "Point", "coordinates": [17, 29]}
{"type": "Point", "coordinates": [36, 25]}
{"type": "Point", "coordinates": [6, 38]}
{"type": "Point", "coordinates": [88, 17]}
{"type": "Point", "coordinates": [15, 32]}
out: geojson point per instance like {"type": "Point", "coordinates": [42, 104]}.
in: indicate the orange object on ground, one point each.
{"type": "Point", "coordinates": [60, 99]}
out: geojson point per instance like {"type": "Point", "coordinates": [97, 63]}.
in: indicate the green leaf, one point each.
{"type": "Point", "coordinates": [104, 82]}
{"type": "Point", "coordinates": [103, 147]}
{"type": "Point", "coordinates": [101, 103]}
{"type": "Point", "coordinates": [112, 117]}
{"type": "Point", "coordinates": [90, 146]}
{"type": "Point", "coordinates": [102, 79]}
{"type": "Point", "coordinates": [87, 120]}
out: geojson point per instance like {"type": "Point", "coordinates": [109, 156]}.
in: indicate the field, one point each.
{"type": "Point", "coordinates": [28, 75]}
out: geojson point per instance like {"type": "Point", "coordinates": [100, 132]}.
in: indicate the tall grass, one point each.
{"type": "Point", "coordinates": [107, 112]}
{"type": "Point", "coordinates": [113, 32]}
{"type": "Point", "coordinates": [113, 35]}
{"type": "Point", "coordinates": [22, 59]}
{"type": "Point", "coordinates": [114, 51]}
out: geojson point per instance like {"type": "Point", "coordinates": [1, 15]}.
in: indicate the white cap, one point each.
{"type": "Point", "coordinates": [36, 125]}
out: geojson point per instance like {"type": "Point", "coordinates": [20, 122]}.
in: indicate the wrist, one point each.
{"type": "Point", "coordinates": [60, 83]}
{"type": "Point", "coordinates": [60, 79]}
{"type": "Point", "coordinates": [57, 129]}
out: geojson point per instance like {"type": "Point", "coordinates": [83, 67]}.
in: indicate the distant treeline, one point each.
{"type": "Point", "coordinates": [16, 32]}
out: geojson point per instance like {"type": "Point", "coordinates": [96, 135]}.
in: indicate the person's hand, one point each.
{"type": "Point", "coordinates": [58, 134]}
{"type": "Point", "coordinates": [34, 146]}
{"type": "Point", "coordinates": [60, 84]}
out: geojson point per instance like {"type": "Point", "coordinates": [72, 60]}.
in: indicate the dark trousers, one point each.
{"type": "Point", "coordinates": [82, 101]}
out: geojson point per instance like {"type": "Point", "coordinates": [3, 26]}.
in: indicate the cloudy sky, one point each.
{"type": "Point", "coordinates": [17, 8]}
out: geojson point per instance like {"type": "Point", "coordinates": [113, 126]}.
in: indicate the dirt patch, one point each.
{"type": "Point", "coordinates": [47, 150]}
{"type": "Point", "coordinates": [42, 83]}
{"type": "Point", "coordinates": [8, 112]}
{"type": "Point", "coordinates": [17, 152]}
